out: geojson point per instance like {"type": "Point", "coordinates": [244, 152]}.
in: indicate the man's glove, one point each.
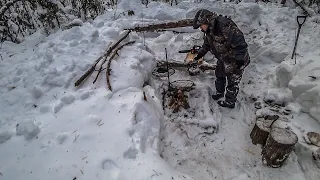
{"type": "Point", "coordinates": [196, 60]}
{"type": "Point", "coordinates": [240, 63]}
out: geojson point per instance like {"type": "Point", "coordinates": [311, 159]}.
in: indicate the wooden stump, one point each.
{"type": "Point", "coordinates": [279, 145]}
{"type": "Point", "coordinates": [260, 131]}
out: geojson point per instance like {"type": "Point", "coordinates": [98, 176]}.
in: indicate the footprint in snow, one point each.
{"type": "Point", "coordinates": [62, 137]}
{"type": "Point", "coordinates": [68, 99]}
{"type": "Point", "coordinates": [65, 100]}
{"type": "Point", "coordinates": [28, 129]}
{"type": "Point", "coordinates": [111, 168]}
{"type": "Point", "coordinates": [57, 107]}
{"type": "Point", "coordinates": [36, 92]}
{"type": "Point", "coordinates": [85, 95]}
{"type": "Point", "coordinates": [44, 109]}
{"type": "Point", "coordinates": [131, 153]}
{"type": "Point", "coordinates": [5, 136]}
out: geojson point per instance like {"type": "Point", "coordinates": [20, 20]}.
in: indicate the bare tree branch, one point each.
{"type": "Point", "coordinates": [109, 63]}
{"type": "Point", "coordinates": [105, 59]}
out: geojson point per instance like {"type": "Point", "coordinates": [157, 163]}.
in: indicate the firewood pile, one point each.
{"type": "Point", "coordinates": [178, 100]}
{"type": "Point", "coordinates": [178, 90]}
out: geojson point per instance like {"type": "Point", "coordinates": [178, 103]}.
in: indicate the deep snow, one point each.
{"type": "Point", "coordinates": [51, 130]}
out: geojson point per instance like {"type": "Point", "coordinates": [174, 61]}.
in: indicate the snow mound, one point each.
{"type": "Point", "coordinates": [161, 11]}
{"type": "Point", "coordinates": [278, 96]}
{"type": "Point", "coordinates": [36, 92]}
{"type": "Point", "coordinates": [303, 80]}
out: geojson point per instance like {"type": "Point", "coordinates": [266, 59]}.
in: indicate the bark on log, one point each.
{"type": "Point", "coordinates": [109, 63]}
{"type": "Point", "coordinates": [260, 132]}
{"type": "Point", "coordinates": [278, 147]}
{"type": "Point", "coordinates": [168, 25]}
{"type": "Point", "coordinates": [93, 67]}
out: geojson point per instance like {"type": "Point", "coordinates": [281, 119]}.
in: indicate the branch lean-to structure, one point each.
{"type": "Point", "coordinates": [104, 56]}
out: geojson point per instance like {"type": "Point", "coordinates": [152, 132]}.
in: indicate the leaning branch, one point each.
{"type": "Point", "coordinates": [109, 62]}
{"type": "Point", "coordinates": [168, 25]}
{"type": "Point", "coordinates": [105, 59]}
{"type": "Point", "coordinates": [93, 67]}
{"type": "Point", "coordinates": [303, 8]}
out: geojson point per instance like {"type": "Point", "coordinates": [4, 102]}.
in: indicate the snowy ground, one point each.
{"type": "Point", "coordinates": [51, 130]}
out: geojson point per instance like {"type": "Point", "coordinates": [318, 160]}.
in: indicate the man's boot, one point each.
{"type": "Point", "coordinates": [217, 96]}
{"type": "Point", "coordinates": [226, 104]}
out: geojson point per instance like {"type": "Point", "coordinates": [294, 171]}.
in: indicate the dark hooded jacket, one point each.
{"type": "Point", "coordinates": [224, 39]}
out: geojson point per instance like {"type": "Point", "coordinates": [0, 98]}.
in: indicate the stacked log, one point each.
{"type": "Point", "coordinates": [279, 145]}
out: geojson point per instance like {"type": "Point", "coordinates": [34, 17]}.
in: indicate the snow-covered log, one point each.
{"type": "Point", "coordinates": [279, 145]}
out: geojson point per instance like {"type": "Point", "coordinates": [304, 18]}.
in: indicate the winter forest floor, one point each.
{"type": "Point", "coordinates": [51, 130]}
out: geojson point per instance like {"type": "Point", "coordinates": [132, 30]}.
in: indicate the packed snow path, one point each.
{"type": "Point", "coordinates": [50, 130]}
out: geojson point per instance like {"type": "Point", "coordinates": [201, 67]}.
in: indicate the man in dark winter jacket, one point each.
{"type": "Point", "coordinates": [223, 39]}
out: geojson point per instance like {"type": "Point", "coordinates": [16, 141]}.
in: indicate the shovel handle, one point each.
{"type": "Point", "coordinates": [303, 18]}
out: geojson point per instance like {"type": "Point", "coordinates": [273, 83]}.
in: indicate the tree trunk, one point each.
{"type": "Point", "coordinates": [279, 145]}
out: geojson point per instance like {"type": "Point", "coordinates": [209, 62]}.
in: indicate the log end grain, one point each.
{"type": "Point", "coordinates": [284, 136]}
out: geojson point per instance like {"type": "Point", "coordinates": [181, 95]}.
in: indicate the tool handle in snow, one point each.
{"type": "Point", "coordinates": [167, 68]}
{"type": "Point", "coordinates": [300, 23]}
{"type": "Point", "coordinates": [303, 18]}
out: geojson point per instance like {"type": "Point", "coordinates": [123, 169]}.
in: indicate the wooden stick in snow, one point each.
{"type": "Point", "coordinates": [168, 25]}
{"type": "Point", "coordinates": [93, 67]}
{"type": "Point", "coordinates": [109, 62]}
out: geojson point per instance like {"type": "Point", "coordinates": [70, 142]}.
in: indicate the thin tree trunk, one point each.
{"type": "Point", "coordinates": [168, 25]}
